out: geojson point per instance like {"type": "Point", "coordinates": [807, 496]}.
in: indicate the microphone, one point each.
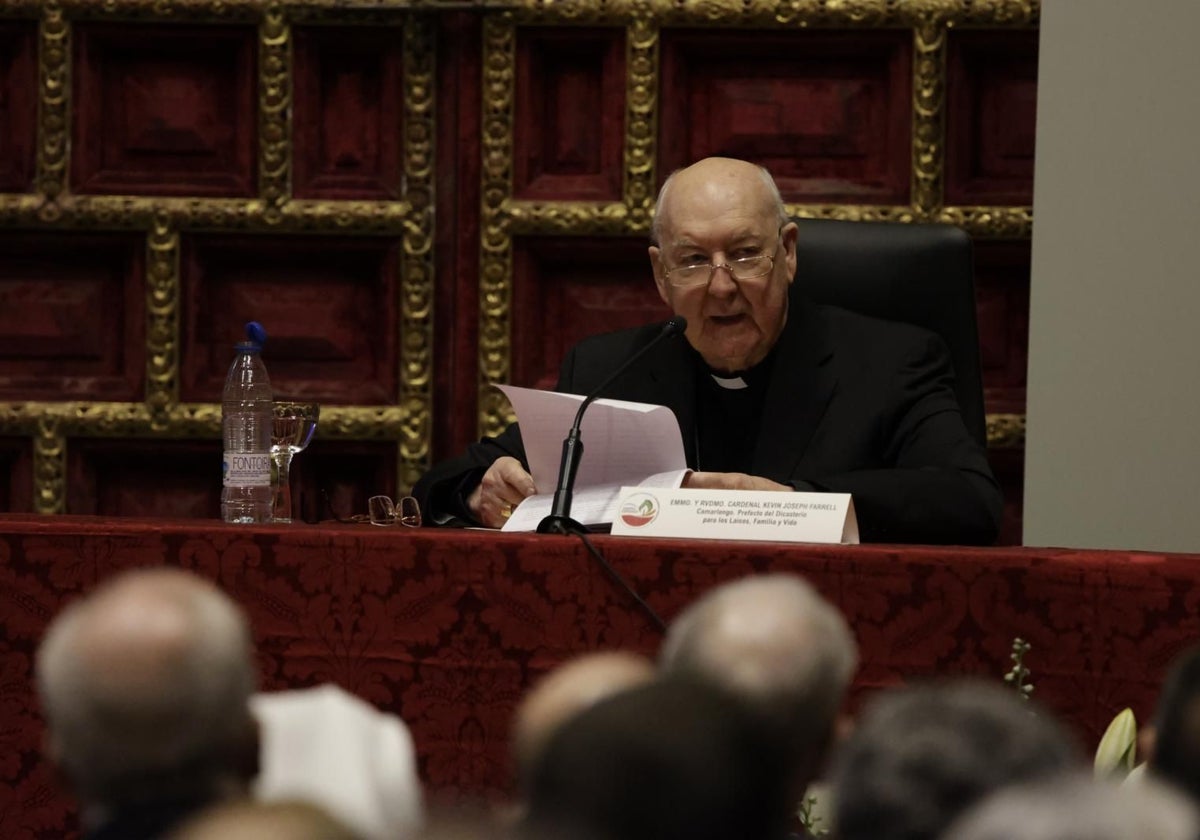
{"type": "Point", "coordinates": [559, 521]}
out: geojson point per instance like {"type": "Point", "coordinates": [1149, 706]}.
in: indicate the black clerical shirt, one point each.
{"type": "Point", "coordinates": [729, 409]}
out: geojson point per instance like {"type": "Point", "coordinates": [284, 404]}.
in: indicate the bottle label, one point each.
{"type": "Point", "coordinates": [247, 469]}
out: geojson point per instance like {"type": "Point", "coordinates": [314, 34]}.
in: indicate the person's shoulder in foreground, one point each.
{"type": "Point", "coordinates": [771, 391]}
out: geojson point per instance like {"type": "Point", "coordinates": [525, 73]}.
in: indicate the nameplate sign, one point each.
{"type": "Point", "coordinates": [737, 515]}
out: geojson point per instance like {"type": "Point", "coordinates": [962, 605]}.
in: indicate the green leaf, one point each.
{"type": "Point", "coordinates": [1115, 755]}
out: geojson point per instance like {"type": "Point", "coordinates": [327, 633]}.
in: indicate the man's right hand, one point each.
{"type": "Point", "coordinates": [504, 486]}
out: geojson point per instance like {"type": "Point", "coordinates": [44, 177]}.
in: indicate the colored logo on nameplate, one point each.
{"type": "Point", "coordinates": [639, 509]}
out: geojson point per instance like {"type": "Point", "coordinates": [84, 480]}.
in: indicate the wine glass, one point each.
{"type": "Point", "coordinates": [293, 426]}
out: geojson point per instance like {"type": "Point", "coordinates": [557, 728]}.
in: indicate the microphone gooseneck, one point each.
{"type": "Point", "coordinates": [559, 521]}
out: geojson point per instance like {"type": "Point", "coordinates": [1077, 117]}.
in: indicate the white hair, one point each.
{"type": "Point", "coordinates": [656, 223]}
{"type": "Point", "coordinates": [162, 712]}
{"type": "Point", "coordinates": [773, 640]}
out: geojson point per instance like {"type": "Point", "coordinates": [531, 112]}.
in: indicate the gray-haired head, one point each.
{"type": "Point", "coordinates": [145, 685]}
{"type": "Point", "coordinates": [773, 641]}
{"type": "Point", "coordinates": [920, 756]}
{"type": "Point", "coordinates": [660, 203]}
{"type": "Point", "coordinates": [1078, 807]}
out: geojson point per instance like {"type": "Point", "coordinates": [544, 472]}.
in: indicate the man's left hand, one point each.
{"type": "Point", "coordinates": [731, 481]}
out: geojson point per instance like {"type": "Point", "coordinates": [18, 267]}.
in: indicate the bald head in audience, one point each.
{"type": "Point", "coordinates": [145, 684]}
{"type": "Point", "coordinates": [566, 691]}
{"type": "Point", "coordinates": [773, 641]}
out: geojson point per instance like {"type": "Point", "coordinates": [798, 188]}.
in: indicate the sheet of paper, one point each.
{"type": "Point", "coordinates": [596, 505]}
{"type": "Point", "coordinates": [623, 442]}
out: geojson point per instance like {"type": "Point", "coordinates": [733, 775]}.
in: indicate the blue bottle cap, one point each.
{"type": "Point", "coordinates": [255, 333]}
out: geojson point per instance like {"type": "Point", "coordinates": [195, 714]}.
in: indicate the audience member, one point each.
{"type": "Point", "coordinates": [248, 820]}
{"type": "Point", "coordinates": [563, 693]}
{"type": "Point", "coordinates": [333, 749]}
{"type": "Point", "coordinates": [145, 684]}
{"type": "Point", "coordinates": [775, 642]}
{"type": "Point", "coordinates": [1077, 807]}
{"type": "Point", "coordinates": [1175, 754]}
{"type": "Point", "coordinates": [921, 756]}
{"type": "Point", "coordinates": [670, 760]}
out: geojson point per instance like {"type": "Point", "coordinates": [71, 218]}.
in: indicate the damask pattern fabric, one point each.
{"type": "Point", "coordinates": [446, 628]}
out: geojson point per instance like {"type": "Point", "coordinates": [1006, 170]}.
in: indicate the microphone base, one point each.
{"type": "Point", "coordinates": [558, 524]}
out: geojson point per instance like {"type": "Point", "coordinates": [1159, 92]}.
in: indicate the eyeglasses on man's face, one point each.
{"type": "Point", "coordinates": [695, 273]}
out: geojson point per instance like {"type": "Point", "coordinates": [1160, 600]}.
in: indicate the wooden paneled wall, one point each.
{"type": "Point", "coordinates": [422, 199]}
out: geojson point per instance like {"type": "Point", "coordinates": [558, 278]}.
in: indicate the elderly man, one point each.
{"type": "Point", "coordinates": [146, 686]}
{"type": "Point", "coordinates": [772, 392]}
{"type": "Point", "coordinates": [776, 644]}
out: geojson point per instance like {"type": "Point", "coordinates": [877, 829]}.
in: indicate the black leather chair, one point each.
{"type": "Point", "coordinates": [922, 274]}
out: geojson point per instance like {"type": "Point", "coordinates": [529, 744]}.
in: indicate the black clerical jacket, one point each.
{"type": "Point", "coordinates": [853, 405]}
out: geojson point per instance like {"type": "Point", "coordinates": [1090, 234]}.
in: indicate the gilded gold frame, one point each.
{"type": "Point", "coordinates": [51, 425]}
{"type": "Point", "coordinates": [504, 217]}
{"type": "Point", "coordinates": [51, 206]}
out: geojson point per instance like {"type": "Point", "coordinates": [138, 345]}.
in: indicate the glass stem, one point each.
{"type": "Point", "coordinates": [282, 505]}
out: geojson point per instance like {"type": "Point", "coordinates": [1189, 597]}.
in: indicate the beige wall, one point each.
{"type": "Point", "coordinates": [1113, 456]}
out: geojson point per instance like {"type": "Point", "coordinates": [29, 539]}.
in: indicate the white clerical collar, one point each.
{"type": "Point", "coordinates": [730, 383]}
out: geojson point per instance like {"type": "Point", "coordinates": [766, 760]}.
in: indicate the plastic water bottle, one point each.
{"type": "Point", "coordinates": [246, 417]}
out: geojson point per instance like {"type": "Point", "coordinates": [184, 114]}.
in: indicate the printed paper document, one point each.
{"type": "Point", "coordinates": [624, 443]}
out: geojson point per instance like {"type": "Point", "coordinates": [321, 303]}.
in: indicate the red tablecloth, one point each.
{"type": "Point", "coordinates": [447, 628]}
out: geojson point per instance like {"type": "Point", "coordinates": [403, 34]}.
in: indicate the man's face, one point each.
{"type": "Point", "coordinates": [717, 217]}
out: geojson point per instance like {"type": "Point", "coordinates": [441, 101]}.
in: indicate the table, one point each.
{"type": "Point", "coordinates": [448, 628]}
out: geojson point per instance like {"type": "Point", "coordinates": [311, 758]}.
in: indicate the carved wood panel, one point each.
{"type": "Point", "coordinates": [1002, 303]}
{"type": "Point", "coordinates": [565, 289]}
{"type": "Point", "coordinates": [569, 103]}
{"type": "Point", "coordinates": [991, 97]}
{"type": "Point", "coordinates": [422, 201]}
{"type": "Point", "coordinates": [144, 478]}
{"type": "Point", "coordinates": [333, 479]}
{"type": "Point", "coordinates": [327, 304]}
{"type": "Point", "coordinates": [164, 110]}
{"type": "Point", "coordinates": [18, 104]}
{"type": "Point", "coordinates": [16, 463]}
{"type": "Point", "coordinates": [182, 478]}
{"type": "Point", "coordinates": [827, 113]}
{"type": "Point", "coordinates": [72, 317]}
{"type": "Point", "coordinates": [348, 113]}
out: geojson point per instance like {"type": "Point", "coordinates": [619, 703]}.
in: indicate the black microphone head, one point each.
{"type": "Point", "coordinates": [675, 326]}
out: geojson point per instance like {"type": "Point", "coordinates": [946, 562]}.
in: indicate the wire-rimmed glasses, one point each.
{"type": "Point", "coordinates": [701, 274]}
{"type": "Point", "coordinates": [741, 269]}
{"type": "Point", "coordinates": [382, 511]}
